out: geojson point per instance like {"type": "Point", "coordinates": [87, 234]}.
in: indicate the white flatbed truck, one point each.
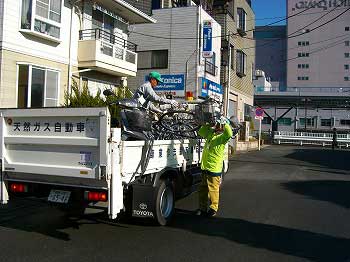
{"type": "Point", "coordinates": [72, 158]}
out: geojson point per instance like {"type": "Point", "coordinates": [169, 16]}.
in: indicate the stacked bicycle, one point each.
{"type": "Point", "coordinates": [176, 123]}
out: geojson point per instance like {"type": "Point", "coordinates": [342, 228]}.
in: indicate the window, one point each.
{"type": "Point", "coordinates": [46, 19]}
{"type": "Point", "coordinates": [285, 121]}
{"type": "Point", "coordinates": [303, 78]}
{"type": "Point", "coordinates": [303, 66]}
{"type": "Point", "coordinates": [232, 58]}
{"type": "Point", "coordinates": [241, 19]}
{"type": "Point", "coordinates": [266, 121]}
{"type": "Point", "coordinates": [347, 28]}
{"type": "Point", "coordinates": [345, 122]}
{"type": "Point", "coordinates": [326, 122]}
{"type": "Point", "coordinates": [346, 78]}
{"type": "Point", "coordinates": [210, 65]}
{"type": "Point", "coordinates": [303, 43]}
{"type": "Point", "coordinates": [155, 59]}
{"type": "Point", "coordinates": [346, 67]}
{"type": "Point", "coordinates": [37, 87]}
{"type": "Point", "coordinates": [347, 43]}
{"type": "Point", "coordinates": [346, 55]}
{"type": "Point", "coordinates": [309, 122]}
{"type": "Point", "coordinates": [241, 60]}
{"type": "Point", "coordinates": [302, 54]}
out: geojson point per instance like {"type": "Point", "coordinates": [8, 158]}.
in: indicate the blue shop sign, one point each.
{"type": "Point", "coordinates": [210, 88]}
{"type": "Point", "coordinates": [207, 39]}
{"type": "Point", "coordinates": [171, 83]}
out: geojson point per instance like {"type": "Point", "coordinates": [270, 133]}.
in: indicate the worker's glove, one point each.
{"type": "Point", "coordinates": [174, 103]}
{"type": "Point", "coordinates": [224, 120]}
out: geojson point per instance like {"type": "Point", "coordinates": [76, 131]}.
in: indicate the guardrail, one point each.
{"type": "Point", "coordinates": [306, 138]}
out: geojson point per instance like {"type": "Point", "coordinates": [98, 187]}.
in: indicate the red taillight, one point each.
{"type": "Point", "coordinates": [97, 196]}
{"type": "Point", "coordinates": [18, 188]}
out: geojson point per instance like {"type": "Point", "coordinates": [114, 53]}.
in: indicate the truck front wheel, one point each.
{"type": "Point", "coordinates": [165, 202]}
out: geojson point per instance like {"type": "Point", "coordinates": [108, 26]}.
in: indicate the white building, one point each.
{"type": "Point", "coordinates": [173, 47]}
{"type": "Point", "coordinates": [261, 82]}
{"type": "Point", "coordinates": [46, 43]}
{"type": "Point", "coordinates": [318, 44]}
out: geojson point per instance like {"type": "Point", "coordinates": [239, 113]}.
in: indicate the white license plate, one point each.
{"type": "Point", "coordinates": [59, 196]}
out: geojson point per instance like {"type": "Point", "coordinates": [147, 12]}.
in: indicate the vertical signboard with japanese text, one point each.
{"type": "Point", "coordinates": [207, 51]}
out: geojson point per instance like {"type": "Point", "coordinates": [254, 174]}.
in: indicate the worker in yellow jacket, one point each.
{"type": "Point", "coordinates": [211, 165]}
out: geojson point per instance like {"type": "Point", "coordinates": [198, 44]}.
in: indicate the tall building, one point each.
{"type": "Point", "coordinates": [45, 44]}
{"type": "Point", "coordinates": [237, 22]}
{"type": "Point", "coordinates": [318, 57]}
{"type": "Point", "coordinates": [318, 74]}
{"type": "Point", "coordinates": [271, 53]}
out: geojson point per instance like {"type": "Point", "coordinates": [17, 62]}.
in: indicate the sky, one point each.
{"type": "Point", "coordinates": [269, 9]}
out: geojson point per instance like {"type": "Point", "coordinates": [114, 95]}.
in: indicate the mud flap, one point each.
{"type": "Point", "coordinates": [143, 201]}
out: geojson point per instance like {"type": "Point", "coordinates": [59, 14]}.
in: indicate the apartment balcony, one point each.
{"type": "Point", "coordinates": [104, 52]}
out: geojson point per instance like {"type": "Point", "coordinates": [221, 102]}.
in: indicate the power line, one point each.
{"type": "Point", "coordinates": [263, 18]}
{"type": "Point", "coordinates": [292, 36]}
{"type": "Point", "coordinates": [232, 34]}
{"type": "Point", "coordinates": [312, 43]}
{"type": "Point", "coordinates": [336, 43]}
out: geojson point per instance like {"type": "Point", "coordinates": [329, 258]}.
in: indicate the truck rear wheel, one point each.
{"type": "Point", "coordinates": [165, 203]}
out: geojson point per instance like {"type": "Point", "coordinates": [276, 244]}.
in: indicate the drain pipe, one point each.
{"type": "Point", "coordinates": [70, 73]}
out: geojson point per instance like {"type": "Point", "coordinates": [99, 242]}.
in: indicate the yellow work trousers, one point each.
{"type": "Point", "coordinates": [209, 190]}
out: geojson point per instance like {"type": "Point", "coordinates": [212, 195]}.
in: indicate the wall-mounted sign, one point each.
{"type": "Point", "coordinates": [207, 39]}
{"type": "Point", "coordinates": [210, 88]}
{"type": "Point", "coordinates": [173, 85]}
{"type": "Point", "coordinates": [324, 4]}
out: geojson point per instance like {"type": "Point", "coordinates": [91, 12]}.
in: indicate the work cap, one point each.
{"type": "Point", "coordinates": [156, 76]}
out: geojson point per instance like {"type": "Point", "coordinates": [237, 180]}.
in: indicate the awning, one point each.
{"type": "Point", "coordinates": [126, 11]}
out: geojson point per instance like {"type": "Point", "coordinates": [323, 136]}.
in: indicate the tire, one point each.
{"type": "Point", "coordinates": [165, 203]}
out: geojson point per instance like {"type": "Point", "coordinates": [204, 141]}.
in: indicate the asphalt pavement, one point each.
{"type": "Point", "coordinates": [280, 204]}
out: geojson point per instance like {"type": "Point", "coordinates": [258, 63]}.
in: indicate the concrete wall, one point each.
{"type": "Point", "coordinates": [173, 23]}
{"type": "Point", "coordinates": [9, 69]}
{"type": "Point", "coordinates": [296, 114]}
{"type": "Point", "coordinates": [326, 67]}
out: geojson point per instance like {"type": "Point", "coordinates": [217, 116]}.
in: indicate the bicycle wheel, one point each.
{"type": "Point", "coordinates": [179, 122]}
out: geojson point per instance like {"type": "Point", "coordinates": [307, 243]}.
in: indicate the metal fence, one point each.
{"type": "Point", "coordinates": [307, 138]}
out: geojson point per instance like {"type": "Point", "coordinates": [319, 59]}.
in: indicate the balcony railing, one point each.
{"type": "Point", "coordinates": [210, 68]}
{"type": "Point", "coordinates": [111, 45]}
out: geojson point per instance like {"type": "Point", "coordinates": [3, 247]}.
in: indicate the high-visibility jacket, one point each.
{"type": "Point", "coordinates": [213, 152]}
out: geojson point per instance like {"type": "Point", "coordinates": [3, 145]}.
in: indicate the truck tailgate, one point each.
{"type": "Point", "coordinates": [59, 142]}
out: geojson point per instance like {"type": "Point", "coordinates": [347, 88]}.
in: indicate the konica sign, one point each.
{"type": "Point", "coordinates": [173, 84]}
{"type": "Point", "coordinates": [210, 88]}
